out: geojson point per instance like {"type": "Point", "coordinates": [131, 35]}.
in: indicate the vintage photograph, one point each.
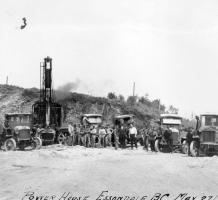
{"type": "Point", "coordinates": [108, 100]}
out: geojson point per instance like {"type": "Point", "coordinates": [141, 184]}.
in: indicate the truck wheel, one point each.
{"type": "Point", "coordinates": [157, 145]}
{"type": "Point", "coordinates": [194, 149]}
{"type": "Point", "coordinates": [21, 146]}
{"type": "Point", "coordinates": [10, 145]}
{"type": "Point", "coordinates": [185, 147]}
{"type": "Point", "coordinates": [37, 143]}
{"type": "Point", "coordinates": [61, 138]}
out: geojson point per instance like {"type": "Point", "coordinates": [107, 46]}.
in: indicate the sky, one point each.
{"type": "Point", "coordinates": [167, 47]}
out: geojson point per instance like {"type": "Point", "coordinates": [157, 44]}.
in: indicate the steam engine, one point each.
{"type": "Point", "coordinates": [47, 114]}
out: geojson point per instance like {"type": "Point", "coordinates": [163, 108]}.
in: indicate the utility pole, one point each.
{"type": "Point", "coordinates": [133, 89]}
{"type": "Point", "coordinates": [159, 105]}
{"type": "Point", "coordinates": [7, 80]}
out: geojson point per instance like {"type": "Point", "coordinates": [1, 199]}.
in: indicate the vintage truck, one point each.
{"type": "Point", "coordinates": [173, 122]}
{"type": "Point", "coordinates": [205, 137]}
{"type": "Point", "coordinates": [17, 132]}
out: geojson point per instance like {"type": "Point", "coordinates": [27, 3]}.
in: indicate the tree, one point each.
{"type": "Point", "coordinates": [121, 98]}
{"type": "Point", "coordinates": [145, 100]}
{"type": "Point", "coordinates": [142, 100]}
{"type": "Point", "coordinates": [162, 108]}
{"type": "Point", "coordinates": [131, 100]}
{"type": "Point", "coordinates": [173, 110]}
{"type": "Point", "coordinates": [156, 103]}
{"type": "Point", "coordinates": [111, 95]}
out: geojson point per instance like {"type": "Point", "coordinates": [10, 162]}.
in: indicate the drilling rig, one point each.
{"type": "Point", "coordinates": [47, 113]}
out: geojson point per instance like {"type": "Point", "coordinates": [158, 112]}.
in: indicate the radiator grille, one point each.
{"type": "Point", "coordinates": [24, 135]}
{"type": "Point", "coordinates": [208, 136]}
{"type": "Point", "coordinates": [47, 136]}
{"type": "Point", "coordinates": [175, 138]}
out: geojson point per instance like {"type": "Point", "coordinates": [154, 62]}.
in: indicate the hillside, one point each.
{"type": "Point", "coordinates": [17, 99]}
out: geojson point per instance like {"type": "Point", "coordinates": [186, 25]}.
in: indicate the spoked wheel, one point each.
{"type": "Point", "coordinates": [194, 149]}
{"type": "Point", "coordinates": [185, 147]}
{"type": "Point", "coordinates": [61, 138]}
{"type": "Point", "coordinates": [37, 143]}
{"type": "Point", "coordinates": [10, 145]}
{"type": "Point", "coordinates": [157, 145]}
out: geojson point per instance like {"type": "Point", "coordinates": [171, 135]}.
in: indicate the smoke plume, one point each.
{"type": "Point", "coordinates": [64, 91]}
{"type": "Point", "coordinates": [69, 87]}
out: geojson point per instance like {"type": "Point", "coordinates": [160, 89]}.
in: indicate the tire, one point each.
{"type": "Point", "coordinates": [194, 149]}
{"type": "Point", "coordinates": [37, 143]}
{"type": "Point", "coordinates": [10, 145]}
{"type": "Point", "coordinates": [61, 138]}
{"type": "Point", "coordinates": [157, 145]}
{"type": "Point", "coordinates": [185, 147]}
{"type": "Point", "coordinates": [22, 146]}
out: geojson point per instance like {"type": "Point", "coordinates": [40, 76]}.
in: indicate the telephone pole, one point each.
{"type": "Point", "coordinates": [133, 89]}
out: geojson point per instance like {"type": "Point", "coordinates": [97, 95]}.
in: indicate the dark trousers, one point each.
{"type": "Point", "coordinates": [170, 144]}
{"type": "Point", "coordinates": [133, 140]}
{"type": "Point", "coordinates": [122, 140]}
{"type": "Point", "coordinates": [145, 142]}
{"type": "Point", "coordinates": [152, 144]}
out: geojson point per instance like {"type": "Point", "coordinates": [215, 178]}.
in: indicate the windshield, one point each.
{"type": "Point", "coordinates": [20, 119]}
{"type": "Point", "coordinates": [171, 121]}
{"type": "Point", "coordinates": [209, 120]}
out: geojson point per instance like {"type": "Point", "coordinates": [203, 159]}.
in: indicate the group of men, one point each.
{"type": "Point", "coordinates": [102, 136]}
{"type": "Point", "coordinates": [93, 136]}
{"type": "Point", "coordinates": [151, 133]}
{"type": "Point", "coordinates": [118, 136]}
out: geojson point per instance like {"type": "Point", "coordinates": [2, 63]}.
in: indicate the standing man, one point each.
{"type": "Point", "coordinates": [93, 135]}
{"type": "Point", "coordinates": [189, 140]}
{"type": "Point", "coordinates": [109, 132]}
{"type": "Point", "coordinates": [71, 139]}
{"type": "Point", "coordinates": [102, 135]}
{"type": "Point", "coordinates": [122, 136]}
{"type": "Point", "coordinates": [145, 138]}
{"type": "Point", "coordinates": [151, 138]}
{"type": "Point", "coordinates": [116, 137]}
{"type": "Point", "coordinates": [6, 130]}
{"type": "Point", "coordinates": [133, 134]}
{"type": "Point", "coordinates": [80, 133]}
{"type": "Point", "coordinates": [168, 138]}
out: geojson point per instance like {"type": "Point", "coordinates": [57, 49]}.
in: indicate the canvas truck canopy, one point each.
{"type": "Point", "coordinates": [125, 118]}
{"type": "Point", "coordinates": [171, 119]}
{"type": "Point", "coordinates": [91, 118]}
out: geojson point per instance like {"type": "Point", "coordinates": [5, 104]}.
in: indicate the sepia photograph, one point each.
{"type": "Point", "coordinates": [108, 100]}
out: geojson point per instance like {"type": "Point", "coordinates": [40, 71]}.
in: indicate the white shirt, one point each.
{"type": "Point", "coordinates": [70, 129]}
{"type": "Point", "coordinates": [93, 131]}
{"type": "Point", "coordinates": [133, 131]}
{"type": "Point", "coordinates": [102, 131]}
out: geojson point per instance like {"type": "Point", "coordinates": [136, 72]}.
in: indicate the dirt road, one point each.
{"type": "Point", "coordinates": [78, 171]}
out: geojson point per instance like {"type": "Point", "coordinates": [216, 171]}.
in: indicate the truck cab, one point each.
{"type": "Point", "coordinates": [205, 138]}
{"type": "Point", "coordinates": [172, 122]}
